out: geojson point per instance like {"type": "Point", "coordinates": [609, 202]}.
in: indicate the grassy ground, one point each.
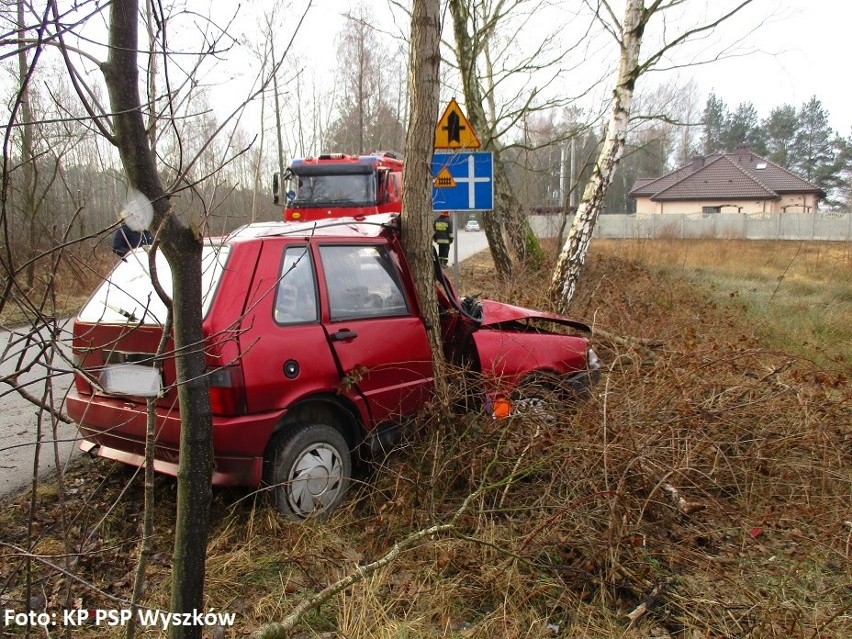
{"type": "Point", "coordinates": [797, 294]}
{"type": "Point", "coordinates": [703, 491]}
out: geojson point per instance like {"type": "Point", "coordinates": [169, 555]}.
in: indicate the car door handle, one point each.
{"type": "Point", "coordinates": [343, 335]}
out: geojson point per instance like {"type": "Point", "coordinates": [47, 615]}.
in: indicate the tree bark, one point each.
{"type": "Point", "coordinates": [425, 59]}
{"type": "Point", "coordinates": [28, 199]}
{"type": "Point", "coordinates": [508, 212]}
{"type": "Point", "coordinates": [182, 249]}
{"type": "Point", "coordinates": [572, 257]}
{"type": "Point", "coordinates": [465, 55]}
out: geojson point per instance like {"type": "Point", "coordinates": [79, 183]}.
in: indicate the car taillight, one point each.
{"type": "Point", "coordinates": [81, 382]}
{"type": "Point", "coordinates": [227, 391]}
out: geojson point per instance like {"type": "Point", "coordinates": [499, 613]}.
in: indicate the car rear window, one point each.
{"type": "Point", "coordinates": [127, 295]}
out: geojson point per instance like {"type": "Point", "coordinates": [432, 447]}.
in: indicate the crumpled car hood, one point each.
{"type": "Point", "coordinates": [494, 313]}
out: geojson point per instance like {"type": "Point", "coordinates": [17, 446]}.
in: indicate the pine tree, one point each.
{"type": "Point", "coordinates": [817, 147]}
{"type": "Point", "coordinates": [743, 128]}
{"type": "Point", "coordinates": [780, 130]}
{"type": "Point", "coordinates": [715, 123]}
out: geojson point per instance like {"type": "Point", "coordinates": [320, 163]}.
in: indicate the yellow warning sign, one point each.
{"type": "Point", "coordinates": [444, 179]}
{"type": "Point", "coordinates": [454, 130]}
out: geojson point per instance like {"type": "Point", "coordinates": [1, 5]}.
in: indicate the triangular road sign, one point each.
{"type": "Point", "coordinates": [454, 130]}
{"type": "Point", "coordinates": [444, 179]}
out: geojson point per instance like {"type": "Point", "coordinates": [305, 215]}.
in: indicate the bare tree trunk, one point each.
{"type": "Point", "coordinates": [566, 274]}
{"type": "Point", "coordinates": [182, 248]}
{"type": "Point", "coordinates": [465, 55]}
{"type": "Point", "coordinates": [508, 210]}
{"type": "Point", "coordinates": [425, 59]}
{"type": "Point", "coordinates": [152, 80]}
{"type": "Point", "coordinates": [28, 205]}
{"type": "Point", "coordinates": [276, 94]}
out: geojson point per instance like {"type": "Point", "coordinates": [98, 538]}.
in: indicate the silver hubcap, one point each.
{"type": "Point", "coordinates": [315, 480]}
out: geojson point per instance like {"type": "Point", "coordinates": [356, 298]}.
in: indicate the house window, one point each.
{"type": "Point", "coordinates": [710, 210]}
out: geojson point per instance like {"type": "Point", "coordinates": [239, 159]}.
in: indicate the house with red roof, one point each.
{"type": "Point", "coordinates": [738, 182]}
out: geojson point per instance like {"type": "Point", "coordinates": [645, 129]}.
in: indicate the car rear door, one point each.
{"type": "Point", "coordinates": [378, 339]}
{"type": "Point", "coordinates": [285, 353]}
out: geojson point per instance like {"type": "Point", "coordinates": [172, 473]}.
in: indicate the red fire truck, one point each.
{"type": "Point", "coordinates": [337, 185]}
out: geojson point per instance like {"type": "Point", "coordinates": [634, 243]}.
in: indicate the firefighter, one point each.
{"type": "Point", "coordinates": [126, 239]}
{"type": "Point", "coordinates": [443, 236]}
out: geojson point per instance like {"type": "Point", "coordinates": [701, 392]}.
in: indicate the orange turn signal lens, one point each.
{"type": "Point", "coordinates": [501, 407]}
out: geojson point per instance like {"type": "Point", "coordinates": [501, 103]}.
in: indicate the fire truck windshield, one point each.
{"type": "Point", "coordinates": [334, 190]}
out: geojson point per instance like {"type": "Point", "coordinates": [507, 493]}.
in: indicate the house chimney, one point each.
{"type": "Point", "coordinates": [697, 162]}
{"type": "Point", "coordinates": [743, 153]}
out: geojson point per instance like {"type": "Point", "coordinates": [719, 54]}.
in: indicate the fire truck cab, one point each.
{"type": "Point", "coordinates": [337, 185]}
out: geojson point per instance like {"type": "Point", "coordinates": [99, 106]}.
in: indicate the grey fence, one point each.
{"type": "Point", "coordinates": [776, 226]}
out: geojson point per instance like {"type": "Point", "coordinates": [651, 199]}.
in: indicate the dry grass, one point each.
{"type": "Point", "coordinates": [573, 524]}
{"type": "Point", "coordinates": [63, 282]}
{"type": "Point", "coordinates": [798, 294]}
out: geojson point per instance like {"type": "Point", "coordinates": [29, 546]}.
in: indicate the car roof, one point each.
{"type": "Point", "coordinates": [345, 227]}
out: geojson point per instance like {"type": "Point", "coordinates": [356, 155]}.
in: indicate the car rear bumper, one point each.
{"type": "Point", "coordinates": [115, 429]}
{"type": "Point", "coordinates": [227, 471]}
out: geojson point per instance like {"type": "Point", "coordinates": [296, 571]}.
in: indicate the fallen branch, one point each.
{"type": "Point", "coordinates": [643, 608]}
{"type": "Point", "coordinates": [276, 630]}
{"type": "Point", "coordinates": [626, 341]}
{"type": "Point", "coordinates": [680, 502]}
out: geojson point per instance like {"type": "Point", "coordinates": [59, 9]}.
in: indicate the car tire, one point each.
{"type": "Point", "coordinates": [540, 396]}
{"type": "Point", "coordinates": [309, 470]}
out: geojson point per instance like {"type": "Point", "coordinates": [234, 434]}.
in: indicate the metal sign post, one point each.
{"type": "Point", "coordinates": [456, 248]}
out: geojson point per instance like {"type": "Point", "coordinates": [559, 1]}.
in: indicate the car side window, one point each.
{"type": "Point", "coordinates": [362, 282]}
{"type": "Point", "coordinates": [296, 297]}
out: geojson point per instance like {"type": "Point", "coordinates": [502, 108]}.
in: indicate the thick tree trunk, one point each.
{"type": "Point", "coordinates": [417, 220]}
{"type": "Point", "coordinates": [508, 210]}
{"type": "Point", "coordinates": [182, 249]}
{"type": "Point", "coordinates": [572, 257]}
{"type": "Point", "coordinates": [465, 55]}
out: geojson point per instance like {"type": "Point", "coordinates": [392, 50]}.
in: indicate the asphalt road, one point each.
{"type": "Point", "coordinates": [45, 374]}
{"type": "Point", "coordinates": [26, 431]}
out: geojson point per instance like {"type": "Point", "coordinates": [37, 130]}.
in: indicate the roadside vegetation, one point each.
{"type": "Point", "coordinates": [702, 491]}
{"type": "Point", "coordinates": [796, 294]}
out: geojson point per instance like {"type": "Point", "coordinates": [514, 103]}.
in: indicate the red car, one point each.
{"type": "Point", "coordinates": [316, 345]}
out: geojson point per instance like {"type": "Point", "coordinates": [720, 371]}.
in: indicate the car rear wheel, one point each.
{"type": "Point", "coordinates": [309, 470]}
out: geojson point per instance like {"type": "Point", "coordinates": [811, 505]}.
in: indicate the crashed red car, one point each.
{"type": "Point", "coordinates": [316, 346]}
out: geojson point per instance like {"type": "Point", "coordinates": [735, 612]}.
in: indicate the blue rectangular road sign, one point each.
{"type": "Point", "coordinates": [469, 185]}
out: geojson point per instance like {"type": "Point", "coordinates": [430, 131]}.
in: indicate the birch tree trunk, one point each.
{"type": "Point", "coordinates": [572, 257]}
{"type": "Point", "coordinates": [425, 59]}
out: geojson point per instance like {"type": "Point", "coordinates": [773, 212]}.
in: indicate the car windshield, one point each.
{"type": "Point", "coordinates": [334, 190]}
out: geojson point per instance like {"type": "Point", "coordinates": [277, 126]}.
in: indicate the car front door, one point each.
{"type": "Point", "coordinates": [379, 341]}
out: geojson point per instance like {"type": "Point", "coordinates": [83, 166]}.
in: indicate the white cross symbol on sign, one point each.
{"type": "Point", "coordinates": [471, 180]}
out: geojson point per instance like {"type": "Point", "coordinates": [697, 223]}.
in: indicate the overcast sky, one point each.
{"type": "Point", "coordinates": [806, 48]}
{"type": "Point", "coordinates": [801, 48]}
